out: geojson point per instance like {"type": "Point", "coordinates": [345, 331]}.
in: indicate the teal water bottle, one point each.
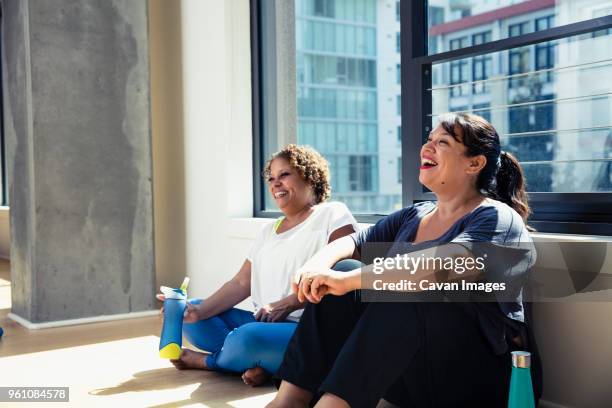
{"type": "Point", "coordinates": [521, 390]}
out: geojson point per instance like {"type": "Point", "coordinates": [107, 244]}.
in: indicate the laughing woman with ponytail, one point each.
{"type": "Point", "coordinates": [440, 350]}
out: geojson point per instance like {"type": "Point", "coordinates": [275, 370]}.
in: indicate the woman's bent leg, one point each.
{"type": "Point", "coordinates": [209, 334]}
{"type": "Point", "coordinates": [321, 333]}
{"type": "Point", "coordinates": [255, 344]}
{"type": "Point", "coordinates": [381, 346]}
{"type": "Point", "coordinates": [419, 354]}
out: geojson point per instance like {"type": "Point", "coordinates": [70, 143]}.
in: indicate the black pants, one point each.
{"type": "Point", "coordinates": [412, 354]}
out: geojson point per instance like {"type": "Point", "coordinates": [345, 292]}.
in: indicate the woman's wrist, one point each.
{"type": "Point", "coordinates": [201, 311]}
{"type": "Point", "coordinates": [295, 304]}
{"type": "Point", "coordinates": [353, 280]}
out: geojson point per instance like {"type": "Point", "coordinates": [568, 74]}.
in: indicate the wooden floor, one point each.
{"type": "Point", "coordinates": [110, 364]}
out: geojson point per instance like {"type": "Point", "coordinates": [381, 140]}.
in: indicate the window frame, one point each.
{"type": "Point", "coordinates": [577, 213]}
{"type": "Point", "coordinates": [574, 213]}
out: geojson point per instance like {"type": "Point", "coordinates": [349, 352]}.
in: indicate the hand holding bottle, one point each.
{"type": "Point", "coordinates": [192, 312]}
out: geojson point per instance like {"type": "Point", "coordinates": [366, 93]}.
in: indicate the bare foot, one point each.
{"type": "Point", "coordinates": [255, 376]}
{"type": "Point", "coordinates": [190, 360]}
{"type": "Point", "coordinates": [290, 395]}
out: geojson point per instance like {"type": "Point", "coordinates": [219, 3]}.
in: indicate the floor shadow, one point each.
{"type": "Point", "coordinates": [149, 380]}
{"type": "Point", "coordinates": [213, 386]}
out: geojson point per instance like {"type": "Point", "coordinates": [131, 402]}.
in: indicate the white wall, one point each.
{"type": "Point", "coordinates": [218, 142]}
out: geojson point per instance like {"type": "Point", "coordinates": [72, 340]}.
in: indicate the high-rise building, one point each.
{"type": "Point", "coordinates": [346, 88]}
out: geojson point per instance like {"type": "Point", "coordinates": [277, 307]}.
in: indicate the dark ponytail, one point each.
{"type": "Point", "coordinates": [502, 178]}
{"type": "Point", "coordinates": [510, 185]}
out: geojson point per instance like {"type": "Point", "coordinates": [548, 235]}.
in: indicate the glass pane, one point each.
{"type": "Point", "coordinates": [449, 20]}
{"type": "Point", "coordinates": [348, 88]}
{"type": "Point", "coordinates": [551, 104]}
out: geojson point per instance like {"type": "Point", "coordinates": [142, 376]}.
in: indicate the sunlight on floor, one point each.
{"type": "Point", "coordinates": [95, 376]}
{"type": "Point", "coordinates": [127, 373]}
{"type": "Point", "coordinates": [257, 401]}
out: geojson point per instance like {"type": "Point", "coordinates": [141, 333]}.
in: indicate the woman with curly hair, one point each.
{"type": "Point", "coordinates": [254, 343]}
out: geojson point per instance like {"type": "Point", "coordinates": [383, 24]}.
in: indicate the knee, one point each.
{"type": "Point", "coordinates": [347, 265]}
{"type": "Point", "coordinates": [246, 339]}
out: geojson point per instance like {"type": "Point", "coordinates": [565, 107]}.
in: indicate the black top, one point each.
{"type": "Point", "coordinates": [493, 228]}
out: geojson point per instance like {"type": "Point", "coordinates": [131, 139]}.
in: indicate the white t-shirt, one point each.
{"type": "Point", "coordinates": [276, 257]}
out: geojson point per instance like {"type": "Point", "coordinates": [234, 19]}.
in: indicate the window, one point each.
{"type": "Point", "coordinates": [518, 58]}
{"type": "Point", "coordinates": [398, 43]}
{"type": "Point", "coordinates": [481, 65]}
{"type": "Point", "coordinates": [399, 169]}
{"type": "Point", "coordinates": [325, 69]}
{"type": "Point", "coordinates": [360, 173]}
{"type": "Point", "coordinates": [397, 10]}
{"type": "Point", "coordinates": [459, 70]}
{"type": "Point", "coordinates": [482, 109]}
{"type": "Point", "coordinates": [324, 8]}
{"type": "Point", "coordinates": [602, 12]}
{"type": "Point", "coordinates": [545, 85]}
{"type": "Point", "coordinates": [550, 114]}
{"type": "Point", "coordinates": [545, 52]}
{"type": "Point", "coordinates": [337, 95]}
{"type": "Point", "coordinates": [398, 74]}
{"type": "Point", "coordinates": [514, 30]}
{"type": "Point", "coordinates": [435, 15]}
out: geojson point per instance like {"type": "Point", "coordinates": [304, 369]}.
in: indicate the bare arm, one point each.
{"type": "Point", "coordinates": [229, 295]}
{"type": "Point", "coordinates": [341, 232]}
{"type": "Point", "coordinates": [326, 257]}
{"type": "Point", "coordinates": [315, 285]}
{"type": "Point", "coordinates": [279, 310]}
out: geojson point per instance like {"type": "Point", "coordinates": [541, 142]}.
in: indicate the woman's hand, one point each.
{"type": "Point", "coordinates": [191, 314]}
{"type": "Point", "coordinates": [278, 311]}
{"type": "Point", "coordinates": [312, 285]}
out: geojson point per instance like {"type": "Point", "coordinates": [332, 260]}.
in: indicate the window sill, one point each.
{"type": "Point", "coordinates": [247, 228]}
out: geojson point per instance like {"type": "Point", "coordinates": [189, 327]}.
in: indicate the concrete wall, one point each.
{"type": "Point", "coordinates": [167, 145]}
{"type": "Point", "coordinates": [76, 76]}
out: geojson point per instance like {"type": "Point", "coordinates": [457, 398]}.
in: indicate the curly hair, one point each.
{"type": "Point", "coordinates": [310, 165]}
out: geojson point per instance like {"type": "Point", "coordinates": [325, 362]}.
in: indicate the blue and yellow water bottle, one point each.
{"type": "Point", "coordinates": [171, 338]}
{"type": "Point", "coordinates": [521, 390]}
